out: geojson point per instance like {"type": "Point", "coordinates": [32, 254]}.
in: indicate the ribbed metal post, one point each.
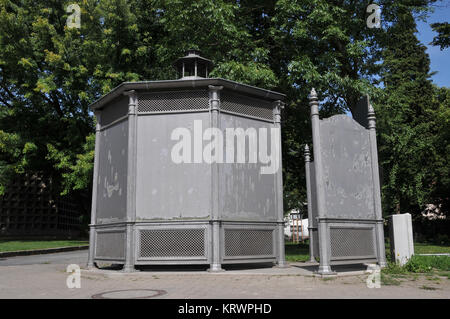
{"type": "Point", "coordinates": [131, 181]}
{"type": "Point", "coordinates": [307, 155]}
{"type": "Point", "coordinates": [324, 240]}
{"type": "Point", "coordinates": [281, 258]}
{"type": "Point", "coordinates": [214, 101]}
{"type": "Point", "coordinates": [376, 185]}
{"type": "Point", "coordinates": [95, 183]}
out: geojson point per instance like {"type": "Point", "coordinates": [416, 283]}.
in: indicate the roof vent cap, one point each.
{"type": "Point", "coordinates": [193, 66]}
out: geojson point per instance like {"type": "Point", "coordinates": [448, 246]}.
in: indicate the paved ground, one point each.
{"type": "Point", "coordinates": [44, 276]}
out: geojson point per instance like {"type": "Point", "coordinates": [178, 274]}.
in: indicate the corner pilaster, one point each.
{"type": "Point", "coordinates": [281, 256]}
{"type": "Point", "coordinates": [214, 104]}
{"type": "Point", "coordinates": [376, 185]}
{"type": "Point", "coordinates": [95, 182]}
{"type": "Point", "coordinates": [322, 227]}
{"type": "Point", "coordinates": [131, 180]}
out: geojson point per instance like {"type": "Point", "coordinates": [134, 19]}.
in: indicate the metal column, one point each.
{"type": "Point", "coordinates": [324, 267]}
{"type": "Point", "coordinates": [95, 183]}
{"type": "Point", "coordinates": [131, 182]}
{"type": "Point", "coordinates": [215, 220]}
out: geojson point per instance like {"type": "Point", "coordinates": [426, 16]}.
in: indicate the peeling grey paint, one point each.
{"type": "Point", "coordinates": [347, 171]}
{"type": "Point", "coordinates": [245, 193]}
{"type": "Point", "coordinates": [112, 176]}
{"type": "Point", "coordinates": [165, 189]}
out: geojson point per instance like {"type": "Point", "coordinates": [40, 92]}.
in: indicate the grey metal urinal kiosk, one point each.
{"type": "Point", "coordinates": [344, 202]}
{"type": "Point", "coordinates": [150, 209]}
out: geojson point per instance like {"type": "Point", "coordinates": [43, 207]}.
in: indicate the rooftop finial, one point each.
{"type": "Point", "coordinates": [313, 94]}
{"type": "Point", "coordinates": [370, 109]}
{"type": "Point", "coordinates": [313, 103]}
{"type": "Point", "coordinates": [307, 153]}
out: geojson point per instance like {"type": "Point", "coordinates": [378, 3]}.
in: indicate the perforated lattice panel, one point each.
{"type": "Point", "coordinates": [172, 243]}
{"type": "Point", "coordinates": [248, 242]}
{"type": "Point", "coordinates": [245, 105]}
{"type": "Point", "coordinates": [110, 245]}
{"type": "Point", "coordinates": [352, 242]}
{"type": "Point", "coordinates": [173, 101]}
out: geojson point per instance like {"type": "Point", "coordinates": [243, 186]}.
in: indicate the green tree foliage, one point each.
{"type": "Point", "coordinates": [443, 37]}
{"type": "Point", "coordinates": [49, 74]}
{"type": "Point", "coordinates": [325, 45]}
{"type": "Point", "coordinates": [440, 168]}
{"type": "Point", "coordinates": [413, 153]}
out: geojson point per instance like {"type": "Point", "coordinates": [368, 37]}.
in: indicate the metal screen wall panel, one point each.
{"type": "Point", "coordinates": [112, 174]}
{"type": "Point", "coordinates": [246, 194]}
{"type": "Point", "coordinates": [245, 105]}
{"type": "Point", "coordinates": [166, 189]}
{"type": "Point", "coordinates": [172, 243]}
{"type": "Point", "coordinates": [351, 242]}
{"type": "Point", "coordinates": [114, 111]}
{"type": "Point", "coordinates": [173, 101]}
{"type": "Point", "coordinates": [248, 242]}
{"type": "Point", "coordinates": [347, 170]}
{"type": "Point", "coordinates": [110, 245]}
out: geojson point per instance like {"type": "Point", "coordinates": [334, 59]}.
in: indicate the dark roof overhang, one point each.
{"type": "Point", "coordinates": [148, 86]}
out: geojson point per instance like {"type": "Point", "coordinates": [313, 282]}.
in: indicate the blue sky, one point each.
{"type": "Point", "coordinates": [440, 60]}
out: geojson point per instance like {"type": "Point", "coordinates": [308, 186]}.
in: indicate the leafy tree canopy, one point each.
{"type": "Point", "coordinates": [443, 37]}
{"type": "Point", "coordinates": [49, 74]}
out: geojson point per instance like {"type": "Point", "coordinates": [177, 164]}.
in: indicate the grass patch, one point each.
{"type": "Point", "coordinates": [420, 264]}
{"type": "Point", "coordinates": [422, 248]}
{"type": "Point", "coordinates": [394, 269]}
{"type": "Point", "coordinates": [437, 279]}
{"type": "Point", "coordinates": [427, 288]}
{"type": "Point", "coordinates": [14, 245]}
{"type": "Point", "coordinates": [387, 280]}
{"type": "Point", "coordinates": [297, 251]}
{"type": "Point", "coordinates": [404, 276]}
{"type": "Point", "coordinates": [443, 274]}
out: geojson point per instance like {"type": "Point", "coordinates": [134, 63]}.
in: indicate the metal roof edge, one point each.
{"type": "Point", "coordinates": [194, 83]}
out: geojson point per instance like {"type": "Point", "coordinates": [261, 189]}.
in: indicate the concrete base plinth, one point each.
{"type": "Point", "coordinates": [129, 268]}
{"type": "Point", "coordinates": [326, 271]}
{"type": "Point", "coordinates": [216, 268]}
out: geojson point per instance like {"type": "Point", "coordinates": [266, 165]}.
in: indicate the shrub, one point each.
{"type": "Point", "coordinates": [419, 264]}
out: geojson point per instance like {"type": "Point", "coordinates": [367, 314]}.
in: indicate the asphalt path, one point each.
{"type": "Point", "coordinates": [79, 257]}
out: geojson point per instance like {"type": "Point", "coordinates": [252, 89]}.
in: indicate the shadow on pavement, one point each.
{"type": "Point", "coordinates": [186, 268]}
{"type": "Point", "coordinates": [335, 268]}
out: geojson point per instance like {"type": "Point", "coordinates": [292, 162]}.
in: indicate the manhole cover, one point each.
{"type": "Point", "coordinates": [130, 294]}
